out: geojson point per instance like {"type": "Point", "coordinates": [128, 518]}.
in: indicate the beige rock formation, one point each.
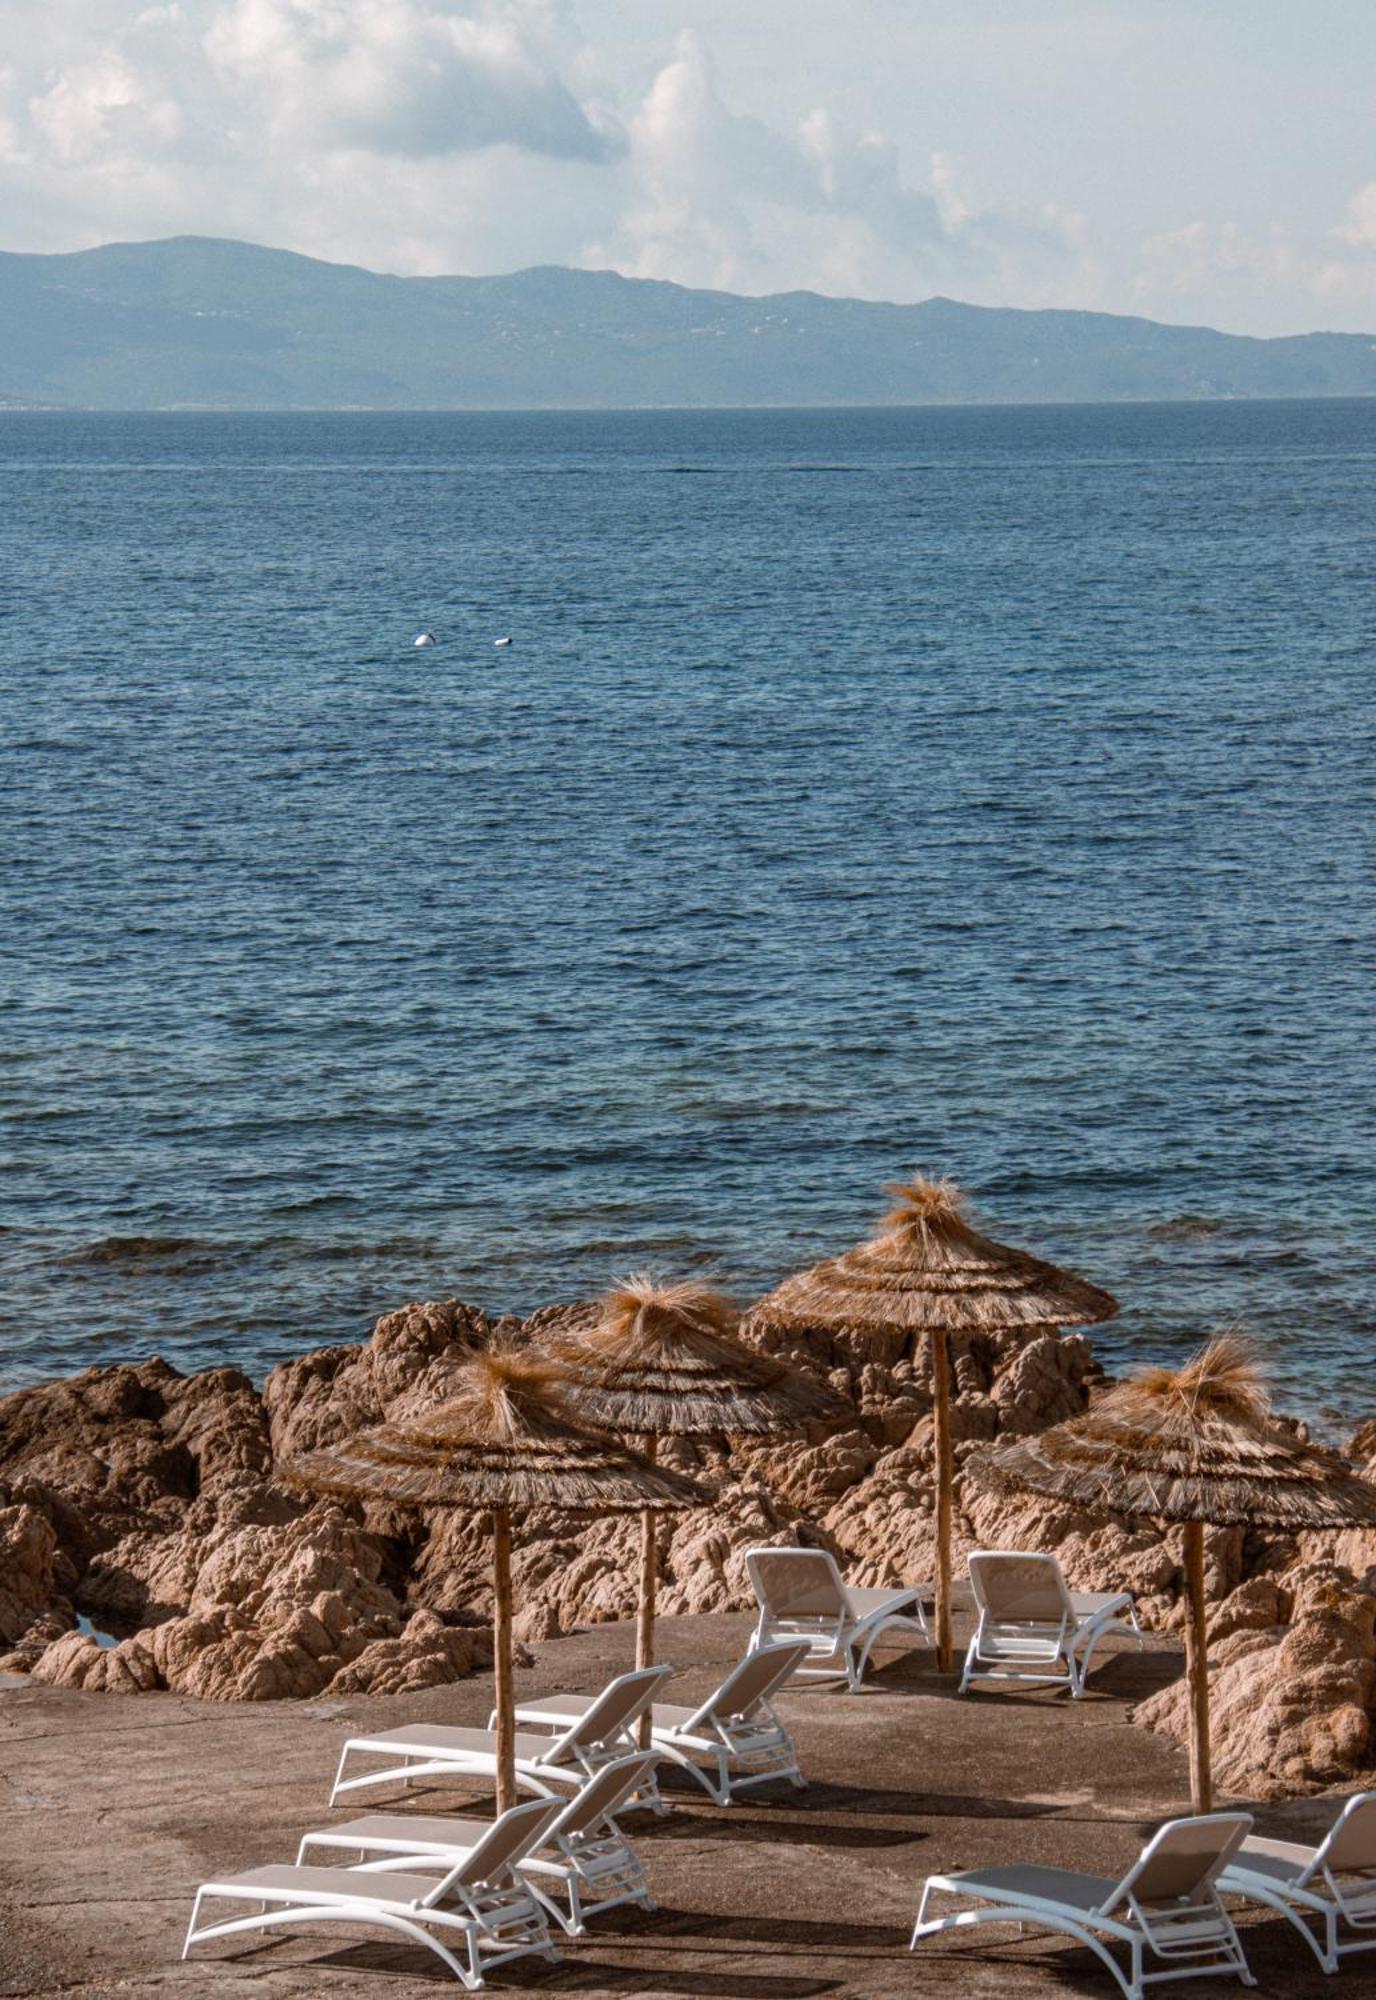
{"type": "Point", "coordinates": [425, 1653]}
{"type": "Point", "coordinates": [323, 1396]}
{"type": "Point", "coordinates": [28, 1585]}
{"type": "Point", "coordinates": [147, 1499]}
{"type": "Point", "coordinates": [1291, 1703]}
{"type": "Point", "coordinates": [76, 1660]}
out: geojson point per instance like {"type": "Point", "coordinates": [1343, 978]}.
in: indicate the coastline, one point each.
{"type": "Point", "coordinates": [145, 1502]}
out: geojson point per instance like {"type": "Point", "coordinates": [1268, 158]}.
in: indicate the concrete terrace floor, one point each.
{"type": "Point", "coordinates": [113, 1808]}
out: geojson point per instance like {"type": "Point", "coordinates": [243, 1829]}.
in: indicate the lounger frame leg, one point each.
{"type": "Point", "coordinates": [965, 1919]}
{"type": "Point", "coordinates": [289, 1918]}
{"type": "Point", "coordinates": [1328, 1953]}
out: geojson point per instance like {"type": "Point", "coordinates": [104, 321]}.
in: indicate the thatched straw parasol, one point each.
{"type": "Point", "coordinates": [928, 1271]}
{"type": "Point", "coordinates": [1193, 1445]}
{"type": "Point", "coordinates": [663, 1361]}
{"type": "Point", "coordinates": [504, 1440]}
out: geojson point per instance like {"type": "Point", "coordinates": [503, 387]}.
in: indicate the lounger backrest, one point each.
{"type": "Point", "coordinates": [1351, 1842]}
{"type": "Point", "coordinates": [604, 1792]}
{"type": "Point", "coordinates": [616, 1708]}
{"type": "Point", "coordinates": [505, 1843]}
{"type": "Point", "coordinates": [757, 1677]}
{"type": "Point", "coordinates": [797, 1583]}
{"type": "Point", "coordinates": [1016, 1587]}
{"type": "Point", "coordinates": [1182, 1858]}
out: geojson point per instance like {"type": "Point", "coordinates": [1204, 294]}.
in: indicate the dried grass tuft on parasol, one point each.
{"type": "Point", "coordinates": [1194, 1445]}
{"type": "Point", "coordinates": [663, 1361]}
{"type": "Point", "coordinates": [505, 1439]}
{"type": "Point", "coordinates": [928, 1270]}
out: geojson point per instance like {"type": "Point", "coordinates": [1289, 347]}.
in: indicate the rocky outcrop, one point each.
{"type": "Point", "coordinates": [1290, 1702]}
{"type": "Point", "coordinates": [324, 1396]}
{"type": "Point", "coordinates": [77, 1660]}
{"type": "Point", "coordinates": [157, 1514]}
{"type": "Point", "coordinates": [425, 1653]}
{"type": "Point", "coordinates": [147, 1500]}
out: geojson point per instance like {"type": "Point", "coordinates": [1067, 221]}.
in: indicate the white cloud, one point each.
{"type": "Point", "coordinates": [1358, 224]}
{"type": "Point", "coordinates": [1222, 274]}
{"type": "Point", "coordinates": [104, 106]}
{"type": "Point", "coordinates": [403, 77]}
{"type": "Point", "coordinates": [718, 198]}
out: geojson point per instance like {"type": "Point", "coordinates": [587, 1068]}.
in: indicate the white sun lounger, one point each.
{"type": "Point", "coordinates": [1032, 1627]}
{"type": "Point", "coordinates": [1330, 1885]}
{"type": "Point", "coordinates": [1167, 1904]}
{"type": "Point", "coordinates": [802, 1595]}
{"type": "Point", "coordinates": [544, 1764]}
{"type": "Point", "coordinates": [736, 1729]}
{"type": "Point", "coordinates": [479, 1902]}
{"type": "Point", "coordinates": [583, 1850]}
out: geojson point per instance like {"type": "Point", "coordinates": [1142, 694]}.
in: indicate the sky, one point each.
{"type": "Point", "coordinates": [1211, 162]}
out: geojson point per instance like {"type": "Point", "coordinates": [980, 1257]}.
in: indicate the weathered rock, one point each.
{"type": "Point", "coordinates": [1043, 1382]}
{"type": "Point", "coordinates": [28, 1546]}
{"type": "Point", "coordinates": [31, 1645]}
{"type": "Point", "coordinates": [98, 1440]}
{"type": "Point", "coordinates": [425, 1653]}
{"type": "Point", "coordinates": [883, 1527]}
{"type": "Point", "coordinates": [322, 1397]}
{"type": "Point", "coordinates": [1362, 1446]}
{"type": "Point", "coordinates": [218, 1418]}
{"type": "Point", "coordinates": [76, 1660]}
{"type": "Point", "coordinates": [173, 1525]}
{"type": "Point", "coordinates": [1259, 1605]}
{"type": "Point", "coordinates": [144, 1578]}
{"type": "Point", "coordinates": [1289, 1706]}
{"type": "Point", "coordinates": [809, 1476]}
{"type": "Point", "coordinates": [276, 1611]}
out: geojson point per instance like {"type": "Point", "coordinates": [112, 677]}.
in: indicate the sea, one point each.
{"type": "Point", "coordinates": [981, 792]}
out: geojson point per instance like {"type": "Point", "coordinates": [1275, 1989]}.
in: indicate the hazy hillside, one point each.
{"type": "Point", "coordinates": [195, 321]}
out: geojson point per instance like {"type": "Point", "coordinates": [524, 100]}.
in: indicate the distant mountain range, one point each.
{"type": "Point", "coordinates": [201, 323]}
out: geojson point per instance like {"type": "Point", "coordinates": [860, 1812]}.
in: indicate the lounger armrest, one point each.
{"type": "Point", "coordinates": [866, 1607]}
{"type": "Point", "coordinates": [1092, 1607]}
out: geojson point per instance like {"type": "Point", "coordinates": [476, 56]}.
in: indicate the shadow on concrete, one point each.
{"type": "Point", "coordinates": [704, 1985]}
{"type": "Point", "coordinates": [1124, 1677]}
{"type": "Point", "coordinates": [1133, 1676]}
{"type": "Point", "coordinates": [804, 1932]}
{"type": "Point", "coordinates": [825, 1815]}
{"type": "Point", "coordinates": [1126, 1674]}
{"type": "Point", "coordinates": [873, 1803]}
{"type": "Point", "coordinates": [782, 1829]}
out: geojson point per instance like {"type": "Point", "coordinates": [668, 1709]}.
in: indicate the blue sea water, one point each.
{"type": "Point", "coordinates": [987, 792]}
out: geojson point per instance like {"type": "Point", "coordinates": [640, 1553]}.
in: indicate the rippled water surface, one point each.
{"type": "Point", "coordinates": [985, 791]}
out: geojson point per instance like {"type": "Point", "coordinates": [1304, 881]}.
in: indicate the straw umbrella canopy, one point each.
{"type": "Point", "coordinates": [1196, 1445]}
{"type": "Point", "coordinates": [504, 1440]}
{"type": "Point", "coordinates": [662, 1361]}
{"type": "Point", "coordinates": [927, 1270]}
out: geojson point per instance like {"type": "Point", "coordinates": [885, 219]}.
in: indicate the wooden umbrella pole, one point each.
{"type": "Point", "coordinates": [1197, 1669]}
{"type": "Point", "coordinates": [501, 1643]}
{"type": "Point", "coordinates": [649, 1574]}
{"type": "Point", "coordinates": [945, 1479]}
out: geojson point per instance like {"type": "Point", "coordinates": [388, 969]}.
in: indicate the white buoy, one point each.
{"type": "Point", "coordinates": [424, 639]}
{"type": "Point", "coordinates": [503, 642]}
